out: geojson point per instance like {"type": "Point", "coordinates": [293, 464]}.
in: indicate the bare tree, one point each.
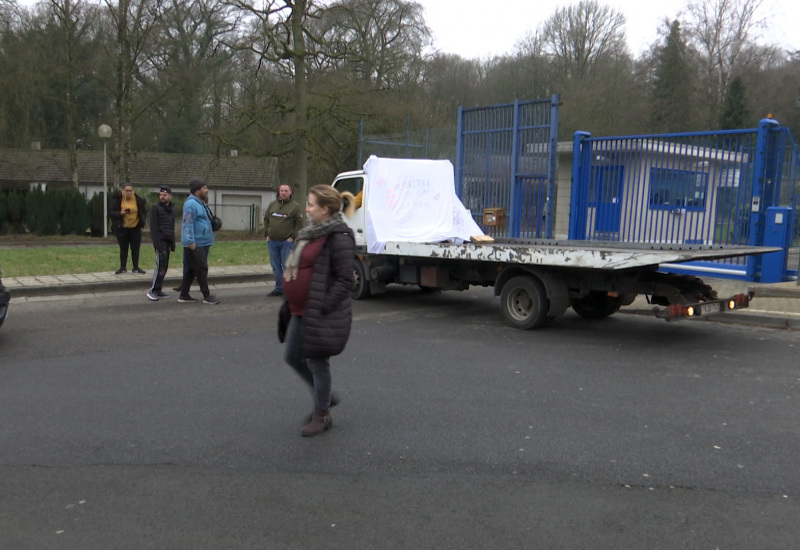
{"type": "Point", "coordinates": [72, 21]}
{"type": "Point", "coordinates": [186, 67]}
{"type": "Point", "coordinates": [722, 32]}
{"type": "Point", "coordinates": [382, 40]}
{"type": "Point", "coordinates": [134, 22]}
{"type": "Point", "coordinates": [279, 37]}
{"type": "Point", "coordinates": [577, 37]}
{"type": "Point", "coordinates": [449, 81]}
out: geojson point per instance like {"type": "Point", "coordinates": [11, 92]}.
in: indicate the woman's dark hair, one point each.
{"type": "Point", "coordinates": [327, 197]}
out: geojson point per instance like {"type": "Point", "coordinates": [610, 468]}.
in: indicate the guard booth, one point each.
{"type": "Point", "coordinates": [737, 187]}
{"type": "Point", "coordinates": [505, 171]}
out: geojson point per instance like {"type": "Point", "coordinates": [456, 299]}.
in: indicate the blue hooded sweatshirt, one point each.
{"type": "Point", "coordinates": [196, 226]}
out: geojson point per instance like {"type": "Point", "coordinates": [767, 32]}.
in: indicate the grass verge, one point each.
{"type": "Point", "coordinates": [60, 260]}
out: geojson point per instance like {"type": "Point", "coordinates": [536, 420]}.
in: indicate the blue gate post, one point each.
{"type": "Point", "coordinates": [777, 232]}
{"type": "Point", "coordinates": [552, 154]}
{"type": "Point", "coordinates": [757, 207]}
{"type": "Point", "coordinates": [515, 190]}
{"type": "Point", "coordinates": [579, 194]}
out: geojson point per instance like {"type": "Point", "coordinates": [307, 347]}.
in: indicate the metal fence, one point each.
{"type": "Point", "coordinates": [506, 161]}
{"type": "Point", "coordinates": [702, 188]}
{"type": "Point", "coordinates": [429, 143]}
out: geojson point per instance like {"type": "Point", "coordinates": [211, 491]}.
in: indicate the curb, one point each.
{"type": "Point", "coordinates": [143, 285]}
{"type": "Point", "coordinates": [775, 292]}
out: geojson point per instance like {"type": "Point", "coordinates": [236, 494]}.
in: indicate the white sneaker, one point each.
{"type": "Point", "coordinates": [152, 296]}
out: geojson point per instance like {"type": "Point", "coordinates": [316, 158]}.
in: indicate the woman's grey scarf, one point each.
{"type": "Point", "coordinates": [305, 236]}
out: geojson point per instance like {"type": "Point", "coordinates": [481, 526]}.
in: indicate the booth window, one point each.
{"type": "Point", "coordinates": [671, 189]}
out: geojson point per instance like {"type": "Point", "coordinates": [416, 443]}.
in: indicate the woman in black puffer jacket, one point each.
{"type": "Point", "coordinates": [316, 284]}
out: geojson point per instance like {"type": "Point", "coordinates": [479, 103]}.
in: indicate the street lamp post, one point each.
{"type": "Point", "coordinates": [104, 131]}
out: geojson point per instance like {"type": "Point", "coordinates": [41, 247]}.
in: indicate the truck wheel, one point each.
{"type": "Point", "coordinates": [524, 303]}
{"type": "Point", "coordinates": [596, 305]}
{"type": "Point", "coordinates": [360, 289]}
{"type": "Point", "coordinates": [428, 289]}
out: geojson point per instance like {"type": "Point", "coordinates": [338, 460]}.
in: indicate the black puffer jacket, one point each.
{"type": "Point", "coordinates": [326, 322]}
{"type": "Point", "coordinates": [162, 226]}
{"type": "Point", "coordinates": [115, 210]}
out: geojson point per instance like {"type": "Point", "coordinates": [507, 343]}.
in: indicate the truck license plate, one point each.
{"type": "Point", "coordinates": [705, 309]}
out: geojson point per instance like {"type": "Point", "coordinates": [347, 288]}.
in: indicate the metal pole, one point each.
{"type": "Point", "coordinates": [105, 190]}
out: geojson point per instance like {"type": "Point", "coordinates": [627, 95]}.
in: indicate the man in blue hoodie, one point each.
{"type": "Point", "coordinates": [196, 238]}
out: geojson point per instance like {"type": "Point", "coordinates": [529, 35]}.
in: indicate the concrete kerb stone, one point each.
{"type": "Point", "coordinates": [91, 283]}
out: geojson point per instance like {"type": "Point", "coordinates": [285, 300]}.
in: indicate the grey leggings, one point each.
{"type": "Point", "coordinates": [315, 371]}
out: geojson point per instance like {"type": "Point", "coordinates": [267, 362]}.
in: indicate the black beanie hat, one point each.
{"type": "Point", "coordinates": [195, 185]}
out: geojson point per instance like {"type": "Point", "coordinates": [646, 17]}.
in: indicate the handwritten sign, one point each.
{"type": "Point", "coordinates": [413, 201]}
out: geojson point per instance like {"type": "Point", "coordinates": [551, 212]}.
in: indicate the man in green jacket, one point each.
{"type": "Point", "coordinates": [282, 220]}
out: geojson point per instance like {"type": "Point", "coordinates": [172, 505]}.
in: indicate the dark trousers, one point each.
{"type": "Point", "coordinates": [195, 266]}
{"type": "Point", "coordinates": [162, 265]}
{"type": "Point", "coordinates": [315, 371]}
{"type": "Point", "coordinates": [129, 237]}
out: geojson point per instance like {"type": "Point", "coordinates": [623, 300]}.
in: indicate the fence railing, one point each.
{"type": "Point", "coordinates": [688, 188]}
{"type": "Point", "coordinates": [506, 159]}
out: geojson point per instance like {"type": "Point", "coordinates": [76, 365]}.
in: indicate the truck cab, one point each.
{"type": "Point", "coordinates": [351, 184]}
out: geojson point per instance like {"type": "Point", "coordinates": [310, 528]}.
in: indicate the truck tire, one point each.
{"type": "Point", "coordinates": [524, 303]}
{"type": "Point", "coordinates": [360, 289]}
{"type": "Point", "coordinates": [596, 305]}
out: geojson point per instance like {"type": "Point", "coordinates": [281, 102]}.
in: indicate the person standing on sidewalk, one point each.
{"type": "Point", "coordinates": [162, 233]}
{"type": "Point", "coordinates": [316, 314]}
{"type": "Point", "coordinates": [282, 220]}
{"type": "Point", "coordinates": [128, 214]}
{"type": "Point", "coordinates": [196, 238]}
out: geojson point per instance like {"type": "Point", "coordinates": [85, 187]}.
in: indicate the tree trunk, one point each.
{"type": "Point", "coordinates": [299, 177]}
{"type": "Point", "coordinates": [65, 11]}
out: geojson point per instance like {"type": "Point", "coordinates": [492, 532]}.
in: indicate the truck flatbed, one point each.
{"type": "Point", "coordinates": [601, 255]}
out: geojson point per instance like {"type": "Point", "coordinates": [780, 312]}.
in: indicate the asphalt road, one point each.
{"type": "Point", "coordinates": [131, 424]}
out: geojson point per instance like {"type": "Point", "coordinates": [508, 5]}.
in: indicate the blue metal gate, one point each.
{"type": "Point", "coordinates": [506, 159]}
{"type": "Point", "coordinates": [702, 188]}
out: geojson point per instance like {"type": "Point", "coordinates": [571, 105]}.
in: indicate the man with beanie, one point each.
{"type": "Point", "coordinates": [282, 220]}
{"type": "Point", "coordinates": [162, 233]}
{"type": "Point", "coordinates": [196, 238]}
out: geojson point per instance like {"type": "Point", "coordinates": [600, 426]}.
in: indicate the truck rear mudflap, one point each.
{"type": "Point", "coordinates": [676, 312]}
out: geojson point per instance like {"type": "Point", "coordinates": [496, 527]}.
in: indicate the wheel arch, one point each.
{"type": "Point", "coordinates": [554, 286]}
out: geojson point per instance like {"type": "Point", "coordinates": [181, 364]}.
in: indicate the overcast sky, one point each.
{"type": "Point", "coordinates": [477, 28]}
{"type": "Point", "coordinates": [481, 28]}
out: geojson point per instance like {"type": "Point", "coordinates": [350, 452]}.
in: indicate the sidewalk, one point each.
{"type": "Point", "coordinates": [774, 305]}
{"type": "Point", "coordinates": [88, 283]}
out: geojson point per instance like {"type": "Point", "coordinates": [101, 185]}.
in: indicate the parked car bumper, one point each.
{"type": "Point", "coordinates": [5, 297]}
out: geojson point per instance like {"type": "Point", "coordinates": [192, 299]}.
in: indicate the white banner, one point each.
{"type": "Point", "coordinates": [410, 200]}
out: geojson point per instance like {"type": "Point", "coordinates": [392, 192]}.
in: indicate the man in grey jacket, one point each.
{"type": "Point", "coordinates": [282, 220]}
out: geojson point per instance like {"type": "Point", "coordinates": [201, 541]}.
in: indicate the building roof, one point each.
{"type": "Point", "coordinates": [18, 168]}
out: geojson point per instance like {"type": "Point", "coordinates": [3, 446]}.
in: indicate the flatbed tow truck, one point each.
{"type": "Point", "coordinates": [539, 279]}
